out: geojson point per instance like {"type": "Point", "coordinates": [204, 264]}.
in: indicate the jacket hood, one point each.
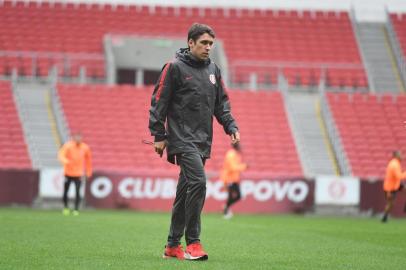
{"type": "Point", "coordinates": [184, 55]}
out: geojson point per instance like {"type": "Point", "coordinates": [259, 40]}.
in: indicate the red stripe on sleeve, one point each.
{"type": "Point", "coordinates": [161, 82]}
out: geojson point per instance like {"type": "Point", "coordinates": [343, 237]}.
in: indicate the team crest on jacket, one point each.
{"type": "Point", "coordinates": [212, 78]}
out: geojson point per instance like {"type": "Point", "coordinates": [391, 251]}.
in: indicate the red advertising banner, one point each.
{"type": "Point", "coordinates": [150, 192]}
{"type": "Point", "coordinates": [155, 191]}
{"type": "Point", "coordinates": [18, 186]}
{"type": "Point", "coordinates": [373, 199]}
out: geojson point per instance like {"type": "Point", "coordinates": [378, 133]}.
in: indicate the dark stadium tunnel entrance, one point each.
{"type": "Point", "coordinates": [151, 76]}
{"type": "Point", "coordinates": [129, 76]}
{"type": "Point", "coordinates": [126, 76]}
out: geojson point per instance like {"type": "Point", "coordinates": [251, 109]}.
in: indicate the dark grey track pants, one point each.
{"type": "Point", "coordinates": [189, 201]}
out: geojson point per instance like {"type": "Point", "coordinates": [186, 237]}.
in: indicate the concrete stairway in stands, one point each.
{"type": "Point", "coordinates": [36, 116]}
{"type": "Point", "coordinates": [308, 134]}
{"type": "Point", "coordinates": [378, 56]}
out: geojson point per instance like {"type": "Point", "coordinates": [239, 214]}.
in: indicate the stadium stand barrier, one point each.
{"type": "Point", "coordinates": [69, 67]}
{"type": "Point", "coordinates": [255, 75]}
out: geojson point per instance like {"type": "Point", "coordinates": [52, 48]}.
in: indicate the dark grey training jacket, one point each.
{"type": "Point", "coordinates": [188, 93]}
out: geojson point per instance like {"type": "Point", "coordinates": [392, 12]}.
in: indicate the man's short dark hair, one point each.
{"type": "Point", "coordinates": [396, 154]}
{"type": "Point", "coordinates": [198, 29]}
{"type": "Point", "coordinates": [236, 146]}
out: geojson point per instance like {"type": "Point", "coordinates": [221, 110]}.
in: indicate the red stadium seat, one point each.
{"type": "Point", "coordinates": [399, 25]}
{"type": "Point", "coordinates": [367, 130]}
{"type": "Point", "coordinates": [13, 150]}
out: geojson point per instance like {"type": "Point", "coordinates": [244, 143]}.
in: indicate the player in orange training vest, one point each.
{"type": "Point", "coordinates": [230, 175]}
{"type": "Point", "coordinates": [76, 158]}
{"type": "Point", "coordinates": [392, 183]}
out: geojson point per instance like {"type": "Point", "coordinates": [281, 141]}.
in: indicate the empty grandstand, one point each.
{"type": "Point", "coordinates": [315, 91]}
{"type": "Point", "coordinates": [303, 45]}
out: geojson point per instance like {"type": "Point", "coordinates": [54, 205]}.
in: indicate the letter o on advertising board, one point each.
{"type": "Point", "coordinates": [263, 191]}
{"type": "Point", "coordinates": [101, 187]}
{"type": "Point", "coordinates": [298, 191]}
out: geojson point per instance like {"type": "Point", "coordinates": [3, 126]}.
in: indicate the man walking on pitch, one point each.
{"type": "Point", "coordinates": [76, 158]}
{"type": "Point", "coordinates": [188, 93]}
{"type": "Point", "coordinates": [230, 175]}
{"type": "Point", "coordinates": [392, 183]}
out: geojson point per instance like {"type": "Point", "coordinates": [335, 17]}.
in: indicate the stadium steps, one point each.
{"type": "Point", "coordinates": [33, 109]}
{"type": "Point", "coordinates": [378, 57]}
{"type": "Point", "coordinates": [308, 134]}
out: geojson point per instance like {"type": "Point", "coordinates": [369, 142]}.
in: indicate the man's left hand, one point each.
{"type": "Point", "coordinates": [235, 137]}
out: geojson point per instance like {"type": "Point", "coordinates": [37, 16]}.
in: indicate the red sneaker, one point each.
{"type": "Point", "coordinates": [174, 252]}
{"type": "Point", "coordinates": [195, 252]}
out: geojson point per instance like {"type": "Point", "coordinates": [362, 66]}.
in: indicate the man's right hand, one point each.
{"type": "Point", "coordinates": [160, 147]}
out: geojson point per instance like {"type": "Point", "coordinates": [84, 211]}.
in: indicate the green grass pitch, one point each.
{"type": "Point", "coordinates": [99, 239]}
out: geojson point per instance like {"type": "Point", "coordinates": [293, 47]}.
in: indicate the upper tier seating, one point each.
{"type": "Point", "coordinates": [13, 150]}
{"type": "Point", "coordinates": [114, 120]}
{"type": "Point", "coordinates": [399, 26]}
{"type": "Point", "coordinates": [249, 35]}
{"type": "Point", "coordinates": [370, 127]}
